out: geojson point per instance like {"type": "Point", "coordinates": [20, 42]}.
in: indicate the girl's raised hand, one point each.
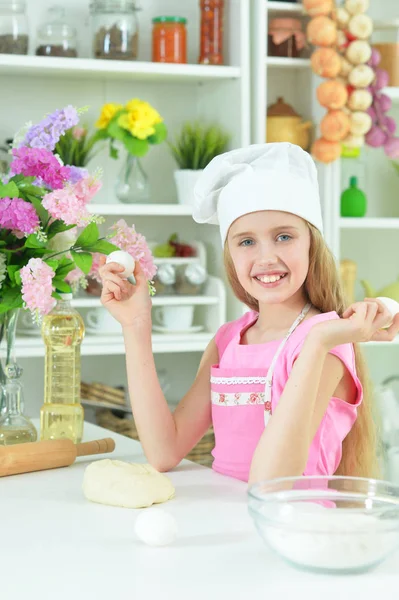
{"type": "Point", "coordinates": [127, 303]}
{"type": "Point", "coordinates": [361, 322]}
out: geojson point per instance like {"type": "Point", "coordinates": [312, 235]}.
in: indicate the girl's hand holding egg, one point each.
{"type": "Point", "coordinates": [125, 290]}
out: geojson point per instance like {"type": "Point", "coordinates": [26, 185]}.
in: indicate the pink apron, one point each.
{"type": "Point", "coordinates": [241, 408]}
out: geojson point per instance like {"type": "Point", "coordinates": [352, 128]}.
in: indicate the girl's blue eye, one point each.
{"type": "Point", "coordinates": [285, 236]}
{"type": "Point", "coordinates": [246, 243]}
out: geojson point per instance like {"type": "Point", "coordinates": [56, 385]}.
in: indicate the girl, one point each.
{"type": "Point", "coordinates": [283, 385]}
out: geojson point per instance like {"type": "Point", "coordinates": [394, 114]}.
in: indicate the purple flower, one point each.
{"type": "Point", "coordinates": [40, 163]}
{"type": "Point", "coordinates": [77, 173]}
{"type": "Point", "coordinates": [18, 215]}
{"type": "Point", "coordinates": [47, 133]}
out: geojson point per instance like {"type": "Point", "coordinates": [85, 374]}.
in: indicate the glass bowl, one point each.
{"type": "Point", "coordinates": [327, 524]}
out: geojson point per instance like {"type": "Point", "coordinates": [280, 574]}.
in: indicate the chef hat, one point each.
{"type": "Point", "coordinates": [275, 176]}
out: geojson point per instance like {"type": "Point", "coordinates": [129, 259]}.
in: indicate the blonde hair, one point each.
{"type": "Point", "coordinates": [324, 291]}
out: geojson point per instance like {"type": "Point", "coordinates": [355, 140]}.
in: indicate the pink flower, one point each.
{"type": "Point", "coordinates": [40, 163]}
{"type": "Point", "coordinates": [126, 238]}
{"type": "Point", "coordinates": [78, 133]}
{"type": "Point", "coordinates": [19, 216]}
{"type": "Point", "coordinates": [37, 286]}
{"type": "Point", "coordinates": [86, 188]}
{"type": "Point", "coordinates": [69, 203]}
{"type": "Point", "coordinates": [65, 205]}
{"type": "Point", "coordinates": [253, 398]}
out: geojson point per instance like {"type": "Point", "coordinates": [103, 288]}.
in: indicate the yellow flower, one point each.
{"type": "Point", "coordinates": [107, 112]}
{"type": "Point", "coordinates": [139, 119]}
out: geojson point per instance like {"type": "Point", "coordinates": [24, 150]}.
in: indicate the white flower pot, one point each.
{"type": "Point", "coordinates": [185, 180]}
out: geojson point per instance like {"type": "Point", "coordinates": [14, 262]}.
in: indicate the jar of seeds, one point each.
{"type": "Point", "coordinates": [14, 30]}
{"type": "Point", "coordinates": [115, 29]}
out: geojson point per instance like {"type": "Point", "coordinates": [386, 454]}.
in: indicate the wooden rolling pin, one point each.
{"type": "Point", "coordinates": [51, 454]}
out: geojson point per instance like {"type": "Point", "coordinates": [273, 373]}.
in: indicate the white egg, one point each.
{"type": "Point", "coordinates": [122, 258]}
{"type": "Point", "coordinates": [155, 527]}
{"type": "Point", "coordinates": [391, 305]}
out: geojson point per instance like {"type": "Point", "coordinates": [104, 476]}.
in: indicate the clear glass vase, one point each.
{"type": "Point", "coordinates": [15, 428]}
{"type": "Point", "coordinates": [132, 186]}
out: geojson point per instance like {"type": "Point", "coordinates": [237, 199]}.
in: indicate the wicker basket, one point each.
{"type": "Point", "coordinates": [200, 454]}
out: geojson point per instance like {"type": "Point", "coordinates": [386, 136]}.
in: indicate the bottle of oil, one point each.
{"type": "Point", "coordinates": [61, 415]}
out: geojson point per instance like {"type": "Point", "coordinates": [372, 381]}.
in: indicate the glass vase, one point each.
{"type": "Point", "coordinates": [132, 186]}
{"type": "Point", "coordinates": [15, 428]}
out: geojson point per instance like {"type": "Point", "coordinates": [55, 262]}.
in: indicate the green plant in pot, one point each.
{"type": "Point", "coordinates": [193, 149]}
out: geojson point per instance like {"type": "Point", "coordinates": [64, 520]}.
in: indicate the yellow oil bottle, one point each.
{"type": "Point", "coordinates": [61, 415]}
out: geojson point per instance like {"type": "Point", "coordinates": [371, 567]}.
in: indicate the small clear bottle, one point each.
{"type": "Point", "coordinates": [14, 27]}
{"type": "Point", "coordinates": [56, 37]}
{"type": "Point", "coordinates": [15, 428]}
{"type": "Point", "coordinates": [61, 415]}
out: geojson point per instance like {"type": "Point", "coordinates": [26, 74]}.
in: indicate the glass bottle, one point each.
{"type": "Point", "coordinates": [14, 29]}
{"type": "Point", "coordinates": [211, 44]}
{"type": "Point", "coordinates": [15, 428]}
{"type": "Point", "coordinates": [55, 37]}
{"type": "Point", "coordinates": [61, 415]}
{"type": "Point", "coordinates": [115, 29]}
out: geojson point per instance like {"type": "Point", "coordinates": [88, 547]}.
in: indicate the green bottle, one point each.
{"type": "Point", "coordinates": [353, 201]}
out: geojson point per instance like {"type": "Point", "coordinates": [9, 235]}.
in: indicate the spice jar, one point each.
{"type": "Point", "coordinates": [286, 38]}
{"type": "Point", "coordinates": [169, 40]}
{"type": "Point", "coordinates": [386, 41]}
{"type": "Point", "coordinates": [55, 37]}
{"type": "Point", "coordinates": [115, 29]}
{"type": "Point", "coordinates": [165, 279]}
{"type": "Point", "coordinates": [211, 45]}
{"type": "Point", "coordinates": [191, 280]}
{"type": "Point", "coordinates": [14, 31]}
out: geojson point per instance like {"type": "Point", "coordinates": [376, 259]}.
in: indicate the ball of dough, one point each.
{"type": "Point", "coordinates": [129, 485]}
{"type": "Point", "coordinates": [122, 258]}
{"type": "Point", "coordinates": [156, 527]}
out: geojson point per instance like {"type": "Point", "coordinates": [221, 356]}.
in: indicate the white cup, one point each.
{"type": "Point", "coordinates": [175, 317]}
{"type": "Point", "coordinates": [103, 321]}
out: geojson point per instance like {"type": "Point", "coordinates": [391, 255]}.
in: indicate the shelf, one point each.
{"type": "Point", "coordinates": [89, 68]}
{"type": "Point", "coordinates": [156, 301]}
{"type": "Point", "coordinates": [369, 223]}
{"type": "Point", "coordinates": [287, 63]}
{"type": "Point", "coordinates": [107, 345]}
{"type": "Point", "coordinates": [392, 92]}
{"type": "Point", "coordinates": [151, 210]}
{"type": "Point", "coordinates": [286, 7]}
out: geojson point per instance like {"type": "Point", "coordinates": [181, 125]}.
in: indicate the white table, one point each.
{"type": "Point", "coordinates": [55, 545]}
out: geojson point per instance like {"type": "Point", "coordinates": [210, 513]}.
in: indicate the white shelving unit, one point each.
{"type": "Point", "coordinates": [180, 93]}
{"type": "Point", "coordinates": [143, 210]}
{"type": "Point", "coordinates": [89, 68]}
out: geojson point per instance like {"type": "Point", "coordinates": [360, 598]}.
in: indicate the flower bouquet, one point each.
{"type": "Point", "coordinates": [136, 126]}
{"type": "Point", "coordinates": [49, 240]}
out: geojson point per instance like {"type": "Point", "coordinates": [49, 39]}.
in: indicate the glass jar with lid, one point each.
{"type": "Point", "coordinates": [56, 37]}
{"type": "Point", "coordinates": [169, 40]}
{"type": "Point", "coordinates": [14, 30]}
{"type": "Point", "coordinates": [386, 40]}
{"type": "Point", "coordinates": [115, 29]}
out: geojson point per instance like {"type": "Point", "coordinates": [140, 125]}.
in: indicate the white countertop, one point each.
{"type": "Point", "coordinates": [56, 545]}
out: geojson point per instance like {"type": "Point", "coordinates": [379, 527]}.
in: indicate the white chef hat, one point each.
{"type": "Point", "coordinates": [276, 176]}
